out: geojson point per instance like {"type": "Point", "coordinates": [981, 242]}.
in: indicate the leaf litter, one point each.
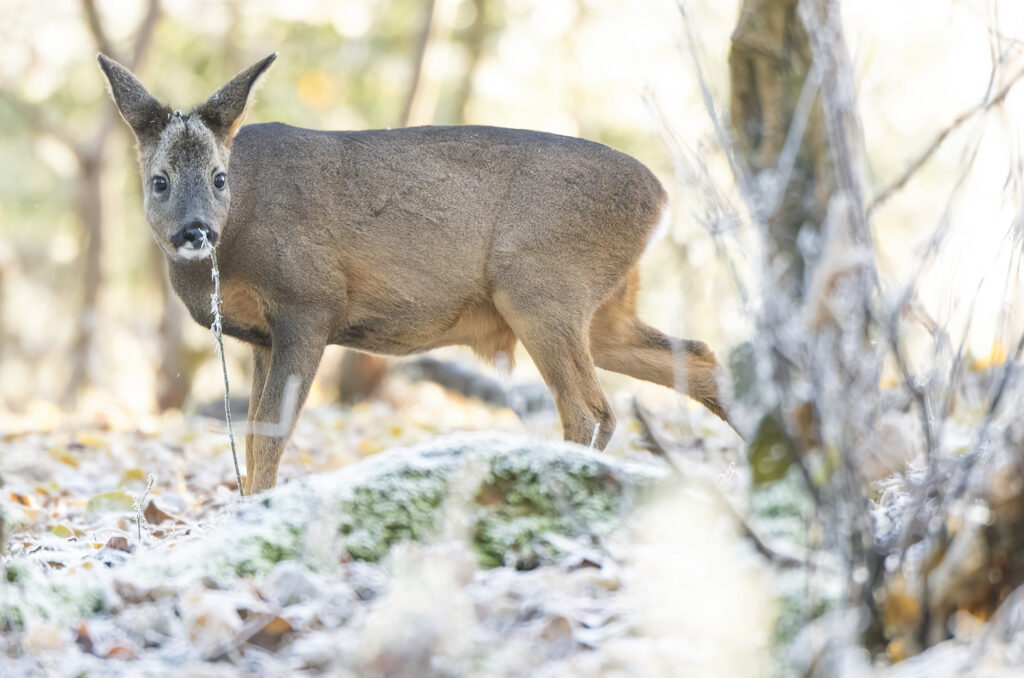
{"type": "Point", "coordinates": [111, 565]}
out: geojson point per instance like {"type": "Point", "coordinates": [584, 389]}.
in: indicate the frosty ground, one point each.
{"type": "Point", "coordinates": [401, 543]}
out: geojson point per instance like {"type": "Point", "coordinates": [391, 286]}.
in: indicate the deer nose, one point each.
{"type": "Point", "coordinates": [194, 234]}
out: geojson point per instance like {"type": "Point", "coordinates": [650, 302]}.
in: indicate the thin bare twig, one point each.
{"type": "Point", "coordinates": [660, 446]}
{"type": "Point", "coordinates": [930, 150]}
{"type": "Point", "coordinates": [99, 34]}
{"type": "Point", "coordinates": [218, 333]}
{"type": "Point", "coordinates": [144, 34]}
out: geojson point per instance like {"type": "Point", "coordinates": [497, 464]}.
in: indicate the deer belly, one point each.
{"type": "Point", "coordinates": [475, 324]}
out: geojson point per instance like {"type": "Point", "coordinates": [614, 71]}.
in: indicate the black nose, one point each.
{"type": "Point", "coordinates": [194, 234]}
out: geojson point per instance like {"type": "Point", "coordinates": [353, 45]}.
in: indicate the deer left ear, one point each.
{"type": "Point", "coordinates": [224, 112]}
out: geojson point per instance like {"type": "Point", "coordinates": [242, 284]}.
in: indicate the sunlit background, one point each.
{"type": "Point", "coordinates": [87, 322]}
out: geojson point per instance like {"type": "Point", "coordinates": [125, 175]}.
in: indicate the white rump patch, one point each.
{"type": "Point", "coordinates": [664, 222]}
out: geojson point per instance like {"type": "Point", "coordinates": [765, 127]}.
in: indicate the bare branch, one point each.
{"type": "Point", "coordinates": [99, 34]}
{"type": "Point", "coordinates": [144, 34]}
{"type": "Point", "coordinates": [929, 151]}
{"type": "Point", "coordinates": [660, 446]}
{"type": "Point", "coordinates": [653, 439]}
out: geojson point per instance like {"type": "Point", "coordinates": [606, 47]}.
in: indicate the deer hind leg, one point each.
{"type": "Point", "coordinates": [559, 349]}
{"type": "Point", "coordinates": [621, 342]}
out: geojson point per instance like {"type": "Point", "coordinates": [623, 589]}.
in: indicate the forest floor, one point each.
{"type": "Point", "coordinates": [89, 505]}
{"type": "Point", "coordinates": [126, 550]}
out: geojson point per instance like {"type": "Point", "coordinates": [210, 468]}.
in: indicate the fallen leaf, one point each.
{"type": "Point", "coordinates": [273, 636]}
{"type": "Point", "coordinates": [121, 652]}
{"type": "Point", "coordinates": [119, 543]}
{"type": "Point", "coordinates": [83, 639]}
{"type": "Point", "coordinates": [64, 457]}
{"type": "Point", "coordinates": [63, 531]}
{"type": "Point", "coordinates": [154, 515]}
{"type": "Point", "coordinates": [116, 500]}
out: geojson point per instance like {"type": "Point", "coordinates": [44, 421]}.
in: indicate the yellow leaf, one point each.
{"type": "Point", "coordinates": [63, 456]}
{"type": "Point", "coordinates": [368, 446]}
{"type": "Point", "coordinates": [90, 440]}
{"type": "Point", "coordinates": [277, 626]}
{"type": "Point", "coordinates": [114, 501]}
{"type": "Point", "coordinates": [64, 531]}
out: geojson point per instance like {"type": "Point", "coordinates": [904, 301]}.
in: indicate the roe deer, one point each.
{"type": "Point", "coordinates": [403, 240]}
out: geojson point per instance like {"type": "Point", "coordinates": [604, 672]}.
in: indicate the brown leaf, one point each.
{"type": "Point", "coordinates": [274, 635]}
{"type": "Point", "coordinates": [121, 652]}
{"type": "Point", "coordinates": [154, 514]}
{"type": "Point", "coordinates": [83, 639]}
{"type": "Point", "coordinates": [119, 543]}
{"type": "Point", "coordinates": [277, 626]}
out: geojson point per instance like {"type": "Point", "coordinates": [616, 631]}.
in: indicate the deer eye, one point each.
{"type": "Point", "coordinates": [159, 184]}
{"type": "Point", "coordinates": [220, 180]}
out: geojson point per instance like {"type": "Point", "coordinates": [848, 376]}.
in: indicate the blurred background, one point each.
{"type": "Point", "coordinates": [87, 321]}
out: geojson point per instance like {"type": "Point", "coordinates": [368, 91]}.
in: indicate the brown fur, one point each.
{"type": "Point", "coordinates": [399, 241]}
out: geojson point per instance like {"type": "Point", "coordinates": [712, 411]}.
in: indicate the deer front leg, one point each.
{"type": "Point", "coordinates": [260, 369]}
{"type": "Point", "coordinates": [294, 357]}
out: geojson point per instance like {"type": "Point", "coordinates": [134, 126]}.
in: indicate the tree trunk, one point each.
{"type": "Point", "coordinates": [769, 64]}
{"type": "Point", "coordinates": [89, 211]}
{"type": "Point", "coordinates": [360, 376]}
{"type": "Point", "coordinates": [89, 199]}
{"type": "Point", "coordinates": [476, 34]}
{"type": "Point", "coordinates": [424, 88]}
{"type": "Point", "coordinates": [174, 374]}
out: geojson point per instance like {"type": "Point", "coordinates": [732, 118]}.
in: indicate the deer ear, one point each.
{"type": "Point", "coordinates": [224, 111]}
{"type": "Point", "coordinates": [145, 115]}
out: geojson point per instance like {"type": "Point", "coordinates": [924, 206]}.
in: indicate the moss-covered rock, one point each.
{"type": "Point", "coordinates": [510, 493]}
{"type": "Point", "coordinates": [515, 499]}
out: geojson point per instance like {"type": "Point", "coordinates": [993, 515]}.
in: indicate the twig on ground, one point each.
{"type": "Point", "coordinates": [661, 447]}
{"type": "Point", "coordinates": [139, 516]}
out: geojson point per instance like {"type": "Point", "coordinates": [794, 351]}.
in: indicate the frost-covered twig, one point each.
{"type": "Point", "coordinates": [658, 445]}
{"type": "Point", "coordinates": [139, 517]}
{"type": "Point", "coordinates": [218, 334]}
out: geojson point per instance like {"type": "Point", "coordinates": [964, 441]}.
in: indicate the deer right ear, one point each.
{"type": "Point", "coordinates": [224, 112]}
{"type": "Point", "coordinates": [145, 115]}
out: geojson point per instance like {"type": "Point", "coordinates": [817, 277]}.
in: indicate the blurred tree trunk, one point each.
{"type": "Point", "coordinates": [174, 374]}
{"type": "Point", "coordinates": [89, 210]}
{"type": "Point", "coordinates": [360, 376]}
{"type": "Point", "coordinates": [424, 86]}
{"type": "Point", "coordinates": [475, 36]}
{"type": "Point", "coordinates": [89, 199]}
{"type": "Point", "coordinates": [769, 64]}
{"type": "Point", "coordinates": [795, 124]}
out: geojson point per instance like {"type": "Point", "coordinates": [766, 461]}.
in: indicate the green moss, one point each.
{"type": "Point", "coordinates": [509, 495]}
{"type": "Point", "coordinates": [396, 508]}
{"type": "Point", "coordinates": [12, 573]}
{"type": "Point", "coordinates": [521, 495]}
{"type": "Point", "coordinates": [258, 552]}
{"type": "Point", "coordinates": [520, 503]}
{"type": "Point", "coordinates": [30, 592]}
